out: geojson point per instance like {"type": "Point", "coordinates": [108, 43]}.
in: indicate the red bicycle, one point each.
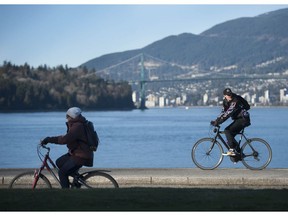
{"type": "Point", "coordinates": [37, 180]}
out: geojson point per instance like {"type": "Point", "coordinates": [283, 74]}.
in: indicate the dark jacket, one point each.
{"type": "Point", "coordinates": [233, 109]}
{"type": "Point", "coordinates": [74, 139]}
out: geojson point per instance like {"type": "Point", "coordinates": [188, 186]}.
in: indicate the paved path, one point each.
{"type": "Point", "coordinates": [186, 177]}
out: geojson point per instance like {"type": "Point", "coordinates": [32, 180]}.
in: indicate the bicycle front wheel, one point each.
{"type": "Point", "coordinates": [207, 154]}
{"type": "Point", "coordinates": [27, 180]}
{"type": "Point", "coordinates": [96, 179]}
{"type": "Point", "coordinates": [256, 154]}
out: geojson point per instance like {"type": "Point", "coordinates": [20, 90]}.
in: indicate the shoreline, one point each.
{"type": "Point", "coordinates": [183, 177]}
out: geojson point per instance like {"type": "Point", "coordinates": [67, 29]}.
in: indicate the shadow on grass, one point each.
{"type": "Point", "coordinates": [144, 199]}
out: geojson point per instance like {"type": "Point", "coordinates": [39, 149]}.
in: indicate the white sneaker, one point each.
{"type": "Point", "coordinates": [231, 152]}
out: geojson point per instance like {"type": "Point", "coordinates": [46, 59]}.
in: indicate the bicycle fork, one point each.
{"type": "Point", "coordinates": [37, 172]}
{"type": "Point", "coordinates": [36, 176]}
{"type": "Point", "coordinates": [213, 144]}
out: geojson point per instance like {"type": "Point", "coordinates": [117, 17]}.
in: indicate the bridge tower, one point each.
{"type": "Point", "coordinates": [142, 85]}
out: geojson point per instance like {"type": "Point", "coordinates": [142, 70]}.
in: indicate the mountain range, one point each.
{"type": "Point", "coordinates": [250, 44]}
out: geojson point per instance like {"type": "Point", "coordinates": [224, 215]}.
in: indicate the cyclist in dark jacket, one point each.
{"type": "Point", "coordinates": [232, 107]}
{"type": "Point", "coordinates": [79, 153]}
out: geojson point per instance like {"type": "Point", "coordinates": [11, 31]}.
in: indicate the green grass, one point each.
{"type": "Point", "coordinates": [144, 199]}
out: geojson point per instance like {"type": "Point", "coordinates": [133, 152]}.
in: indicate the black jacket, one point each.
{"type": "Point", "coordinates": [233, 109]}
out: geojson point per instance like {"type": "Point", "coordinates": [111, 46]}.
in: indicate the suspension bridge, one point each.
{"type": "Point", "coordinates": [142, 69]}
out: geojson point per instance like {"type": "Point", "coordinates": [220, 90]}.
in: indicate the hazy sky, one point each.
{"type": "Point", "coordinates": [74, 34]}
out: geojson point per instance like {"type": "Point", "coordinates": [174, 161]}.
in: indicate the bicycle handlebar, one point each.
{"type": "Point", "coordinates": [40, 155]}
{"type": "Point", "coordinates": [44, 146]}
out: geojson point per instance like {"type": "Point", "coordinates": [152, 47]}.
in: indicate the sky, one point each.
{"type": "Point", "coordinates": [72, 34]}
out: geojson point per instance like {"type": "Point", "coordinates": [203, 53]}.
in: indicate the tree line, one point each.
{"type": "Point", "coordinates": [24, 88]}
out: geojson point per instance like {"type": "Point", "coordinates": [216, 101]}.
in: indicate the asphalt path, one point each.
{"type": "Point", "coordinates": [185, 177]}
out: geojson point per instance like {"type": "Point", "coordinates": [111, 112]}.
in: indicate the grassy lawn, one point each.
{"type": "Point", "coordinates": [144, 199]}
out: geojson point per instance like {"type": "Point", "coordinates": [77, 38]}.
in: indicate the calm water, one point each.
{"type": "Point", "coordinates": [154, 138]}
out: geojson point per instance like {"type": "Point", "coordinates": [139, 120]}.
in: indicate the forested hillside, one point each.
{"type": "Point", "coordinates": [43, 88]}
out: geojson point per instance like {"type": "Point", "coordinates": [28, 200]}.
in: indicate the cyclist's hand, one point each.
{"type": "Point", "coordinates": [214, 123]}
{"type": "Point", "coordinates": [45, 141]}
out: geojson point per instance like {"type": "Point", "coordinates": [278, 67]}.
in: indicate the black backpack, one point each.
{"type": "Point", "coordinates": [244, 103]}
{"type": "Point", "coordinates": [92, 136]}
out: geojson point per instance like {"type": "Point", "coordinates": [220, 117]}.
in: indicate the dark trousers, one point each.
{"type": "Point", "coordinates": [233, 129]}
{"type": "Point", "coordinates": [67, 166]}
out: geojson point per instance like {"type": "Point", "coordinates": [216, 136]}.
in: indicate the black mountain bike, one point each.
{"type": "Point", "coordinates": [207, 153]}
{"type": "Point", "coordinates": [37, 179]}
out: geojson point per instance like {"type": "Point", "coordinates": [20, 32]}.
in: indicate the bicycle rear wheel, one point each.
{"type": "Point", "coordinates": [26, 181]}
{"type": "Point", "coordinates": [256, 154]}
{"type": "Point", "coordinates": [97, 179]}
{"type": "Point", "coordinates": [206, 155]}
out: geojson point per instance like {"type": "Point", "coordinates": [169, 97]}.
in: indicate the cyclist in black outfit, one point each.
{"type": "Point", "coordinates": [233, 107]}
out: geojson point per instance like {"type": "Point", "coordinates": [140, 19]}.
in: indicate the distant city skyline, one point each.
{"type": "Point", "coordinates": [73, 34]}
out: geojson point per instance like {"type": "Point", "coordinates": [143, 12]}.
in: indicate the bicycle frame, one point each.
{"type": "Point", "coordinates": [219, 137]}
{"type": "Point", "coordinates": [45, 164]}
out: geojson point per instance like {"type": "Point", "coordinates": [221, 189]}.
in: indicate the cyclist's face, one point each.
{"type": "Point", "coordinates": [227, 97]}
{"type": "Point", "coordinates": [68, 118]}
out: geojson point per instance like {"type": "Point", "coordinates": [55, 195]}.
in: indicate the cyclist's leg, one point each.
{"type": "Point", "coordinates": [231, 131]}
{"type": "Point", "coordinates": [67, 167]}
{"type": "Point", "coordinates": [62, 160]}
